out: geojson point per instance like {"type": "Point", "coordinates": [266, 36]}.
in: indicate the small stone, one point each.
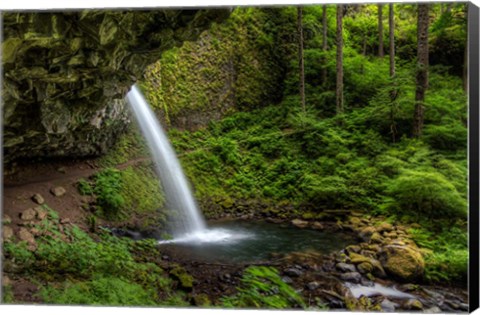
{"type": "Point", "coordinates": [38, 199]}
{"type": "Point", "coordinates": [434, 309]}
{"type": "Point", "coordinates": [353, 249]}
{"type": "Point", "coordinates": [58, 191]}
{"type": "Point", "coordinates": [287, 280]}
{"type": "Point", "coordinates": [313, 285]}
{"type": "Point", "coordinates": [41, 213]}
{"type": "Point", "coordinates": [6, 219]}
{"type": "Point", "coordinates": [384, 227]}
{"type": "Point", "coordinates": [25, 235]}
{"type": "Point", "coordinates": [345, 267]}
{"type": "Point", "coordinates": [317, 226]}
{"type": "Point", "coordinates": [414, 304]}
{"type": "Point", "coordinates": [365, 267]}
{"type": "Point", "coordinates": [293, 272]}
{"type": "Point", "coordinates": [300, 223]}
{"type": "Point", "coordinates": [366, 233]}
{"type": "Point", "coordinates": [391, 235]}
{"type": "Point", "coordinates": [165, 257]}
{"type": "Point", "coordinates": [388, 306]}
{"type": "Point", "coordinates": [65, 221]}
{"type": "Point", "coordinates": [28, 215]}
{"type": "Point", "coordinates": [7, 233]}
{"type": "Point", "coordinates": [6, 281]}
{"type": "Point", "coordinates": [354, 277]}
{"type": "Point", "coordinates": [376, 238]}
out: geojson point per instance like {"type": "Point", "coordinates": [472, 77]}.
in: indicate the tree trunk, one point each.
{"type": "Point", "coordinates": [324, 45]}
{"type": "Point", "coordinates": [393, 93]}
{"type": "Point", "coordinates": [391, 26]}
{"type": "Point", "coordinates": [422, 69]}
{"type": "Point", "coordinates": [465, 56]}
{"type": "Point", "coordinates": [339, 90]}
{"type": "Point", "coordinates": [301, 65]}
{"type": "Point", "coordinates": [380, 31]}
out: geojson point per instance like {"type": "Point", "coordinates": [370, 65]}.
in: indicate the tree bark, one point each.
{"type": "Point", "coordinates": [339, 90]}
{"type": "Point", "coordinates": [380, 31]}
{"type": "Point", "coordinates": [301, 65]}
{"type": "Point", "coordinates": [391, 26]}
{"type": "Point", "coordinates": [422, 69]}
{"type": "Point", "coordinates": [324, 44]}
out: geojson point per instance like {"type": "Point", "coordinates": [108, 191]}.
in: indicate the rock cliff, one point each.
{"type": "Point", "coordinates": [66, 74]}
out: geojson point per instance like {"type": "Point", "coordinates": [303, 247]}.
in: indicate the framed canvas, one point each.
{"type": "Point", "coordinates": [241, 157]}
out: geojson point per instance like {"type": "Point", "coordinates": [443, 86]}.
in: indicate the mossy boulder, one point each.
{"type": "Point", "coordinates": [184, 278]}
{"type": "Point", "coordinates": [404, 263]}
{"type": "Point", "coordinates": [376, 269]}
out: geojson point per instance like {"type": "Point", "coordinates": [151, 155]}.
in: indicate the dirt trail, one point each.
{"type": "Point", "coordinates": [40, 178]}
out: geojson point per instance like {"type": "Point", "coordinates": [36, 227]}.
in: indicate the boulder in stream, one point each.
{"type": "Point", "coordinates": [404, 263]}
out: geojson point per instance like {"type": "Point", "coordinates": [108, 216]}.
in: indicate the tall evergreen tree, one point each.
{"type": "Point", "coordinates": [339, 89]}
{"type": "Point", "coordinates": [380, 31]}
{"type": "Point", "coordinates": [301, 62]}
{"type": "Point", "coordinates": [324, 44]}
{"type": "Point", "coordinates": [422, 69]}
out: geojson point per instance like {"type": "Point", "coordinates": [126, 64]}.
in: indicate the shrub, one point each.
{"type": "Point", "coordinates": [426, 193]}
{"type": "Point", "coordinates": [111, 291]}
{"type": "Point", "coordinates": [262, 287]}
{"type": "Point", "coordinates": [108, 191]}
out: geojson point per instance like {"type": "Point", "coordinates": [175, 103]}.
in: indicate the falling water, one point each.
{"type": "Point", "coordinates": [178, 194]}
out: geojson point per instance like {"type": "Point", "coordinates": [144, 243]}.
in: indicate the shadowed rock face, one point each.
{"type": "Point", "coordinates": [66, 74]}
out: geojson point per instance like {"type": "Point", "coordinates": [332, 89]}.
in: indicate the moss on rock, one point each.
{"type": "Point", "coordinates": [402, 262]}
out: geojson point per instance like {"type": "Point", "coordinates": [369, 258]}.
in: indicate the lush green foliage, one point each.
{"type": "Point", "coordinates": [108, 191]}
{"type": "Point", "coordinates": [108, 271]}
{"type": "Point", "coordinates": [262, 287]}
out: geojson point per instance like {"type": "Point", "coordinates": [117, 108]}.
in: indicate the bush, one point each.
{"type": "Point", "coordinates": [109, 291]}
{"type": "Point", "coordinates": [425, 193]}
{"type": "Point", "coordinates": [262, 287]}
{"type": "Point", "coordinates": [108, 190]}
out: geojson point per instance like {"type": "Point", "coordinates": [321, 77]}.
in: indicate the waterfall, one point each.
{"type": "Point", "coordinates": [178, 194]}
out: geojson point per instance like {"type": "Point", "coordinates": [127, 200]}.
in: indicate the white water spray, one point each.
{"type": "Point", "coordinates": [178, 194]}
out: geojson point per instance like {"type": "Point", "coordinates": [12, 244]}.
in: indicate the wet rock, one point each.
{"type": "Point", "coordinates": [313, 285]}
{"type": "Point", "coordinates": [413, 304]}
{"type": "Point", "coordinates": [345, 267]}
{"type": "Point", "coordinates": [354, 277]}
{"type": "Point", "coordinates": [293, 272]}
{"type": "Point", "coordinates": [434, 309]}
{"type": "Point", "coordinates": [28, 215]}
{"type": "Point", "coordinates": [378, 270]}
{"type": "Point", "coordinates": [388, 306]}
{"type": "Point", "coordinates": [25, 235]}
{"type": "Point", "coordinates": [38, 199]}
{"type": "Point", "coordinates": [317, 226]}
{"type": "Point", "coordinates": [384, 227]}
{"type": "Point", "coordinates": [376, 238]}
{"type": "Point", "coordinates": [409, 287]}
{"type": "Point", "coordinates": [365, 267]}
{"type": "Point", "coordinates": [58, 191]}
{"type": "Point", "coordinates": [353, 249]}
{"type": "Point", "coordinates": [7, 233]}
{"type": "Point", "coordinates": [367, 233]}
{"type": "Point", "coordinates": [402, 262]}
{"type": "Point", "coordinates": [300, 223]}
{"type": "Point", "coordinates": [6, 219]}
{"type": "Point", "coordinates": [391, 235]}
{"type": "Point", "coordinates": [180, 274]}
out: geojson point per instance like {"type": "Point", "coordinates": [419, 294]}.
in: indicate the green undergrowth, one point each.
{"type": "Point", "coordinates": [123, 194]}
{"type": "Point", "coordinates": [262, 287]}
{"type": "Point", "coordinates": [71, 267]}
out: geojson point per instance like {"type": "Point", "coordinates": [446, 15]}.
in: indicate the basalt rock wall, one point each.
{"type": "Point", "coordinates": [66, 74]}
